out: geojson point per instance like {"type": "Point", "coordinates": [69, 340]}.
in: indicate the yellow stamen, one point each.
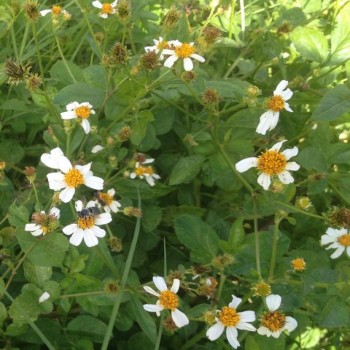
{"type": "Point", "coordinates": [56, 10]}
{"type": "Point", "coordinates": [162, 45]}
{"type": "Point", "coordinates": [274, 321]}
{"type": "Point", "coordinates": [74, 178]}
{"type": "Point", "coordinates": [107, 8]}
{"type": "Point", "coordinates": [83, 112]}
{"type": "Point", "coordinates": [185, 50]}
{"type": "Point", "coordinates": [169, 300]}
{"type": "Point", "coordinates": [45, 230]}
{"type": "Point", "coordinates": [272, 162]}
{"type": "Point", "coordinates": [275, 103]}
{"type": "Point", "coordinates": [298, 264]}
{"type": "Point", "coordinates": [141, 171]}
{"type": "Point", "coordinates": [229, 316]}
{"type": "Point", "coordinates": [106, 198]}
{"type": "Point", "coordinates": [86, 222]}
{"type": "Point", "coordinates": [344, 240]}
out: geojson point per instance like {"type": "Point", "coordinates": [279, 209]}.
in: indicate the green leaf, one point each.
{"type": "Point", "coordinates": [198, 237]}
{"type": "Point", "coordinates": [139, 126]}
{"type": "Point", "coordinates": [3, 313]}
{"type": "Point", "coordinates": [334, 315]}
{"type": "Point", "coordinates": [36, 274]}
{"type": "Point", "coordinates": [310, 43]}
{"type": "Point", "coordinates": [186, 169]}
{"type": "Point", "coordinates": [151, 217]}
{"type": "Point", "coordinates": [236, 235]}
{"type": "Point", "coordinates": [88, 326]}
{"type": "Point", "coordinates": [60, 73]}
{"type": "Point", "coordinates": [334, 103]}
{"type": "Point", "coordinates": [18, 215]}
{"type": "Point", "coordinates": [11, 152]}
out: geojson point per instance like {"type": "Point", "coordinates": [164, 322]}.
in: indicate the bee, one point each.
{"type": "Point", "coordinates": [99, 198]}
{"type": "Point", "coordinates": [92, 211]}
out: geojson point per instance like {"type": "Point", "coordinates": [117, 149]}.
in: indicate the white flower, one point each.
{"type": "Point", "coordinates": [43, 223]}
{"type": "Point", "coordinates": [97, 149]}
{"type": "Point", "coordinates": [55, 10]}
{"type": "Point", "coordinates": [79, 111]}
{"type": "Point", "coordinates": [159, 45]}
{"type": "Point", "coordinates": [186, 51]}
{"type": "Point", "coordinates": [167, 300]}
{"type": "Point", "coordinates": [105, 200]}
{"type": "Point", "coordinates": [43, 297]}
{"type": "Point", "coordinates": [272, 163]}
{"type": "Point", "coordinates": [275, 104]}
{"type": "Point", "coordinates": [338, 239]}
{"type": "Point", "coordinates": [274, 322]}
{"type": "Point", "coordinates": [231, 319]}
{"type": "Point", "coordinates": [146, 172]}
{"type": "Point", "coordinates": [87, 225]}
{"type": "Point", "coordinates": [106, 8]}
{"type": "Point", "coordinates": [69, 177]}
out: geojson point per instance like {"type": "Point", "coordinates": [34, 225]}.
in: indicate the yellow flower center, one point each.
{"type": "Point", "coordinates": [74, 178]}
{"type": "Point", "coordinates": [83, 112]}
{"type": "Point", "coordinates": [185, 50]}
{"type": "Point", "coordinates": [162, 45]}
{"type": "Point", "coordinates": [298, 264]}
{"type": "Point", "coordinates": [272, 162]}
{"type": "Point", "coordinates": [344, 240]}
{"type": "Point", "coordinates": [169, 300]}
{"type": "Point", "coordinates": [86, 222]}
{"type": "Point", "coordinates": [275, 103]}
{"type": "Point", "coordinates": [141, 171]}
{"type": "Point", "coordinates": [273, 321]}
{"type": "Point", "coordinates": [229, 316]}
{"type": "Point", "coordinates": [56, 10]}
{"type": "Point", "coordinates": [45, 229]}
{"type": "Point", "coordinates": [106, 198]}
{"type": "Point", "coordinates": [107, 8]}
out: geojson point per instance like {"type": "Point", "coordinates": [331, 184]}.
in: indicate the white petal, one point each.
{"type": "Point", "coordinates": [89, 238]}
{"type": "Point", "coordinates": [84, 169]}
{"type": "Point", "coordinates": [94, 182]}
{"type": "Point", "coordinates": [132, 175]}
{"type": "Point", "coordinates": [45, 12]}
{"type": "Point", "coordinates": [264, 331]}
{"type": "Point", "coordinates": [114, 3]}
{"type": "Point", "coordinates": [151, 291]}
{"type": "Point", "coordinates": [111, 192]}
{"type": "Point", "coordinates": [77, 237]}
{"type": "Point", "coordinates": [91, 204]}
{"type": "Point", "coordinates": [148, 161]}
{"type": "Point", "coordinates": [280, 87]}
{"type": "Point", "coordinates": [247, 316]}
{"type": "Point", "coordinates": [103, 15]}
{"type": "Point", "coordinates": [67, 194]}
{"type": "Point", "coordinates": [338, 252]}
{"type": "Point", "coordinates": [159, 282]}
{"type": "Point", "coordinates": [150, 180]}
{"type": "Point", "coordinates": [215, 331]}
{"type": "Point", "coordinates": [64, 164]}
{"type": "Point", "coordinates": [292, 166]}
{"type": "Point", "coordinates": [287, 107]}
{"type": "Point", "coordinates": [55, 211]}
{"type": "Point", "coordinates": [290, 324]}
{"type": "Point", "coordinates": [291, 152]}
{"type": "Point", "coordinates": [103, 219]}
{"type": "Point", "coordinates": [68, 230]}
{"type": "Point", "coordinates": [286, 177]}
{"type": "Point", "coordinates": [273, 302]}
{"type": "Point", "coordinates": [264, 180]}
{"type": "Point", "coordinates": [278, 145]}
{"type": "Point", "coordinates": [56, 181]}
{"type": "Point", "coordinates": [198, 57]}
{"type": "Point", "coordinates": [72, 106]}
{"type": "Point", "coordinates": [38, 232]}
{"type": "Point", "coordinates": [86, 126]}
{"type": "Point", "coordinates": [231, 334]}
{"type": "Point", "coordinates": [246, 326]}
{"type": "Point", "coordinates": [265, 121]}
{"type": "Point", "coordinates": [326, 239]}
{"type": "Point", "coordinates": [168, 52]}
{"type": "Point", "coordinates": [43, 297]}
{"type": "Point", "coordinates": [50, 159]}
{"type": "Point", "coordinates": [169, 62]}
{"type": "Point", "coordinates": [335, 232]}
{"type": "Point", "coordinates": [287, 94]}
{"type": "Point", "coordinates": [97, 4]}
{"type": "Point", "coordinates": [68, 115]}
{"type": "Point", "coordinates": [179, 318]}
{"type": "Point", "coordinates": [31, 227]}
{"type": "Point", "coordinates": [153, 308]}
{"type": "Point", "coordinates": [188, 64]}
{"type": "Point", "coordinates": [247, 163]}
{"type": "Point", "coordinates": [176, 285]}
{"type": "Point", "coordinates": [235, 302]}
{"type": "Point", "coordinates": [97, 148]}
{"type": "Point", "coordinates": [277, 333]}
{"type": "Point", "coordinates": [79, 205]}
{"type": "Point", "coordinates": [98, 231]}
{"type": "Point", "coordinates": [114, 206]}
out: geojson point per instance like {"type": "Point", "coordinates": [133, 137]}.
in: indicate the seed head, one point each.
{"type": "Point", "coordinates": [261, 289]}
{"type": "Point", "coordinates": [339, 217]}
{"type": "Point", "coordinates": [253, 91]}
{"type": "Point", "coordinates": [285, 28]}
{"type": "Point", "coordinates": [209, 317]}
{"type": "Point", "coordinates": [33, 81]}
{"type": "Point", "coordinates": [211, 97]}
{"type": "Point", "coordinates": [111, 287]}
{"type": "Point", "coordinates": [171, 18]}
{"type": "Point", "coordinates": [132, 211]}
{"type": "Point", "coordinates": [119, 53]}
{"type": "Point", "coordinates": [149, 61]}
{"type": "Point", "coordinates": [221, 261]}
{"type": "Point", "coordinates": [115, 244]}
{"type": "Point", "coordinates": [30, 173]}
{"type": "Point", "coordinates": [31, 10]}
{"type": "Point", "coordinates": [123, 11]}
{"type": "Point", "coordinates": [211, 34]}
{"type": "Point", "coordinates": [188, 76]}
{"type": "Point", "coordinates": [124, 133]}
{"type": "Point", "coordinates": [169, 325]}
{"type": "Point", "coordinates": [99, 36]}
{"type": "Point", "coordinates": [16, 71]}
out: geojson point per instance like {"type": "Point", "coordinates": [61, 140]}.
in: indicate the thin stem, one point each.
{"type": "Point", "coordinates": [160, 332]}
{"type": "Point", "coordinates": [221, 284]}
{"type": "Point", "coordinates": [126, 272]}
{"type": "Point", "coordinates": [14, 43]}
{"type": "Point", "coordinates": [241, 3]}
{"type": "Point", "coordinates": [84, 294]}
{"type": "Point", "coordinates": [41, 67]}
{"type": "Point", "coordinates": [300, 210]}
{"type": "Point", "coordinates": [36, 194]}
{"type": "Point", "coordinates": [256, 235]}
{"type": "Point", "coordinates": [274, 246]}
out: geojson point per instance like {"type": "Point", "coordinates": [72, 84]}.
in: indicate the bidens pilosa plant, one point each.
{"type": "Point", "coordinates": [174, 175]}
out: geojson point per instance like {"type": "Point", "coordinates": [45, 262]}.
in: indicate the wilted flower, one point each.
{"type": "Point", "coordinates": [43, 223]}
{"type": "Point", "coordinates": [106, 8]}
{"type": "Point", "coordinates": [79, 111]}
{"type": "Point", "coordinates": [272, 163]}
{"type": "Point", "coordinates": [167, 300]}
{"type": "Point", "coordinates": [338, 239]}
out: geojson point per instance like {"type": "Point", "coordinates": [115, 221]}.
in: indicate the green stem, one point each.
{"type": "Point", "coordinates": [256, 235]}
{"type": "Point", "coordinates": [221, 284]}
{"type": "Point", "coordinates": [33, 325]}
{"type": "Point", "coordinates": [274, 247]}
{"type": "Point", "coordinates": [198, 336]}
{"type": "Point", "coordinates": [14, 43]}
{"type": "Point", "coordinates": [24, 39]}
{"type": "Point", "coordinates": [41, 67]}
{"type": "Point", "coordinates": [124, 279]}
{"type": "Point", "coordinates": [300, 210]}
{"type": "Point", "coordinates": [68, 143]}
{"type": "Point", "coordinates": [160, 332]}
{"type": "Point", "coordinates": [84, 294]}
{"type": "Point", "coordinates": [37, 203]}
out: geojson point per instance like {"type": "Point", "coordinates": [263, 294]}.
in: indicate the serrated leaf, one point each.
{"type": "Point", "coordinates": [88, 326]}
{"type": "Point", "coordinates": [334, 103]}
{"type": "Point", "coordinates": [186, 169]}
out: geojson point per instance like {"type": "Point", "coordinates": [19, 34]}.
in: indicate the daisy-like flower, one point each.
{"type": "Point", "coordinates": [272, 163]}
{"type": "Point", "coordinates": [79, 111]}
{"type": "Point", "coordinates": [105, 200]}
{"type": "Point", "coordinates": [275, 104]}
{"type": "Point", "coordinates": [167, 300]}
{"type": "Point", "coordinates": [55, 10]}
{"type": "Point", "coordinates": [231, 319]}
{"type": "Point", "coordinates": [275, 322]}
{"type": "Point", "coordinates": [158, 46]}
{"type": "Point", "coordinates": [337, 239]}
{"type": "Point", "coordinates": [43, 223]}
{"type": "Point", "coordinates": [146, 172]}
{"type": "Point", "coordinates": [107, 8]}
{"type": "Point", "coordinates": [70, 177]}
{"type": "Point", "coordinates": [87, 225]}
{"type": "Point", "coordinates": [185, 51]}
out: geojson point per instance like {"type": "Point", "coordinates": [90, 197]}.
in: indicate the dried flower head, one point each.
{"type": "Point", "coordinates": [339, 217]}
{"type": "Point", "coordinates": [208, 287]}
{"type": "Point", "coordinates": [169, 325]}
{"type": "Point", "coordinates": [221, 261]}
{"type": "Point", "coordinates": [211, 34]}
{"type": "Point", "coordinates": [111, 287]}
{"type": "Point", "coordinates": [285, 28]}
{"type": "Point", "coordinates": [43, 223]}
{"type": "Point", "coordinates": [123, 11]}
{"type": "Point", "coordinates": [132, 211]}
{"type": "Point", "coordinates": [124, 133]}
{"type": "Point", "coordinates": [188, 76]}
{"type": "Point", "coordinates": [99, 36]}
{"type": "Point", "coordinates": [33, 81]}
{"type": "Point", "coordinates": [30, 173]}
{"type": "Point", "coordinates": [16, 71]}
{"type": "Point", "coordinates": [211, 97]}
{"type": "Point", "coordinates": [253, 91]}
{"type": "Point", "coordinates": [171, 18]}
{"type": "Point", "coordinates": [261, 289]}
{"type": "Point", "coordinates": [115, 244]}
{"type": "Point", "coordinates": [119, 53]}
{"type": "Point", "coordinates": [149, 60]}
{"type": "Point", "coordinates": [31, 10]}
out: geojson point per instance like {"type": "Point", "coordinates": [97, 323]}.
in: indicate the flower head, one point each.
{"type": "Point", "coordinates": [87, 225]}
{"type": "Point", "coordinates": [231, 319]}
{"type": "Point", "coordinates": [43, 223]}
{"type": "Point", "coordinates": [159, 45]}
{"type": "Point", "coordinates": [55, 11]}
{"type": "Point", "coordinates": [167, 300]}
{"type": "Point", "coordinates": [337, 239]}
{"type": "Point", "coordinates": [106, 8]}
{"type": "Point", "coordinates": [105, 200]}
{"type": "Point", "coordinates": [185, 51]}
{"type": "Point", "coordinates": [146, 172]}
{"type": "Point", "coordinates": [298, 264]}
{"type": "Point", "coordinates": [272, 163]}
{"type": "Point", "coordinates": [275, 104]}
{"type": "Point", "coordinates": [69, 177]}
{"type": "Point", "coordinates": [275, 322]}
{"type": "Point", "coordinates": [79, 111]}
